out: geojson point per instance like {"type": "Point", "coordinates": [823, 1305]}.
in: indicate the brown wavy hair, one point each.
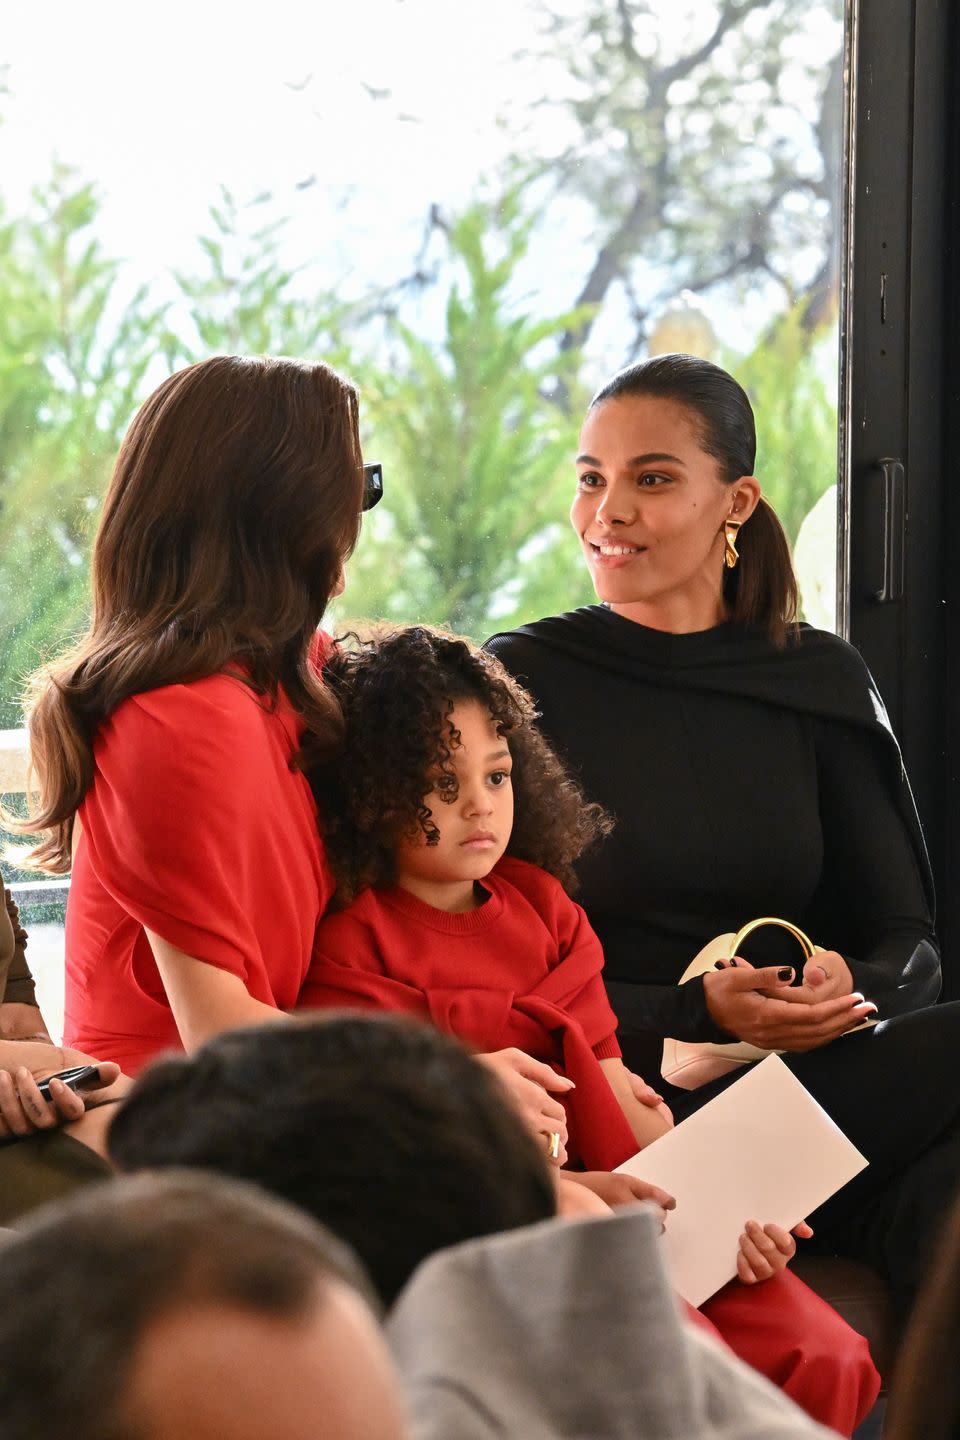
{"type": "Point", "coordinates": [397, 689]}
{"type": "Point", "coordinates": [762, 589]}
{"type": "Point", "coordinates": [234, 501]}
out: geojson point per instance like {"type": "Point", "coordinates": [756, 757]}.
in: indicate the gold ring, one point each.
{"type": "Point", "coordinates": [553, 1144]}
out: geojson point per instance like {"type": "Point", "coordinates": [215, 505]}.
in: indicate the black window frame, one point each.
{"type": "Point", "coordinates": [900, 414]}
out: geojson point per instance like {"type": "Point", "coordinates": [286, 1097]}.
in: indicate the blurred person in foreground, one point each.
{"type": "Point", "coordinates": [925, 1395]}
{"type": "Point", "coordinates": [393, 1136]}
{"type": "Point", "coordinates": [181, 1307]}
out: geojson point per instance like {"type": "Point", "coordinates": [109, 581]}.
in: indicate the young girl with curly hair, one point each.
{"type": "Point", "coordinates": [452, 830]}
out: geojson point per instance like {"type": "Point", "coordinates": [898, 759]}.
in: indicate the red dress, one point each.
{"type": "Point", "coordinates": [196, 828]}
{"type": "Point", "coordinates": [525, 969]}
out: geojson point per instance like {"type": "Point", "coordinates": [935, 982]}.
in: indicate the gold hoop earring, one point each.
{"type": "Point", "coordinates": [731, 555]}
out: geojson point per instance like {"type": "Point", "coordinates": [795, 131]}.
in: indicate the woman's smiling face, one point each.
{"type": "Point", "coordinates": [650, 509]}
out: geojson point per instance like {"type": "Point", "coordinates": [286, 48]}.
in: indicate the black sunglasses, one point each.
{"type": "Point", "coordinates": [372, 486]}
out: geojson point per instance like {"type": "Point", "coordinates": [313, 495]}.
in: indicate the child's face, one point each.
{"type": "Point", "coordinates": [475, 827]}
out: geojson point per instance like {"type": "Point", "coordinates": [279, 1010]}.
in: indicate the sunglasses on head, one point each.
{"type": "Point", "coordinates": [372, 486]}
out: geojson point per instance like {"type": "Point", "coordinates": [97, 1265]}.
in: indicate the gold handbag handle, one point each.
{"type": "Point", "coordinates": [804, 941]}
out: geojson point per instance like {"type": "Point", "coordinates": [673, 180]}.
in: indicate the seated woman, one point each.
{"type": "Point", "coordinates": [20, 1016]}
{"type": "Point", "coordinates": [166, 743]}
{"type": "Point", "coordinates": [450, 827]}
{"type": "Point", "coordinates": [925, 1395]}
{"type": "Point", "coordinates": [752, 771]}
{"type": "Point", "coordinates": [54, 1164]}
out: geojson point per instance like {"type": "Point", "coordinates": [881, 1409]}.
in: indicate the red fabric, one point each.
{"type": "Point", "coordinates": [785, 1331]}
{"type": "Point", "coordinates": [195, 827]}
{"type": "Point", "coordinates": [524, 969]}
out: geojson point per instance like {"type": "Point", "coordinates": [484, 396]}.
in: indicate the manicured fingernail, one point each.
{"type": "Point", "coordinates": [856, 998]}
{"type": "Point", "coordinates": [719, 964]}
{"type": "Point", "coordinates": [786, 973]}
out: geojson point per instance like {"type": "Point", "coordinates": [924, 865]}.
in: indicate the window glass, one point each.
{"type": "Point", "coordinates": [478, 212]}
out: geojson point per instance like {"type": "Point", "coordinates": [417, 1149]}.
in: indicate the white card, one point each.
{"type": "Point", "coordinates": [762, 1150]}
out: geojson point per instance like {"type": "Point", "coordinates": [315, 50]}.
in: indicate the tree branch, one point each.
{"type": "Point", "coordinates": [730, 14]}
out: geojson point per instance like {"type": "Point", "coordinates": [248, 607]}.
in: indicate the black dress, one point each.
{"type": "Point", "coordinates": [748, 780]}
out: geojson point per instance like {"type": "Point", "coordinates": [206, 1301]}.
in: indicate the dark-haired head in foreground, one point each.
{"type": "Point", "coordinates": [165, 1306]}
{"type": "Point", "coordinates": [385, 1130]}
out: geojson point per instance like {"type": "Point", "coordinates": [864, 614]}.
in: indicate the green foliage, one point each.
{"type": "Point", "coordinates": [476, 444]}
{"type": "Point", "coordinates": [77, 354]}
{"type": "Point", "coordinates": [477, 453]}
{"type": "Point", "coordinates": [73, 356]}
{"type": "Point", "coordinates": [796, 419]}
{"type": "Point", "coordinates": [244, 300]}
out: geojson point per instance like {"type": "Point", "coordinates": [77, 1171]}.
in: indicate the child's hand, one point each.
{"type": "Point", "coordinates": [648, 1096]}
{"type": "Point", "coordinates": [765, 1250]}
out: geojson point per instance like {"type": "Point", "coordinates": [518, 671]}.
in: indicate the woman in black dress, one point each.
{"type": "Point", "coordinates": [752, 771]}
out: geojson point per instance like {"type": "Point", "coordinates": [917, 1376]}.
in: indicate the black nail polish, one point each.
{"type": "Point", "coordinates": [785, 973]}
{"type": "Point", "coordinates": [719, 964]}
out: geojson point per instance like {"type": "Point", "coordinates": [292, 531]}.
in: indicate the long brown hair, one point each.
{"type": "Point", "coordinates": [762, 589]}
{"type": "Point", "coordinates": [234, 501]}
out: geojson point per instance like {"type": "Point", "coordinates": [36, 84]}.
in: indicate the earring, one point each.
{"type": "Point", "coordinates": [730, 553]}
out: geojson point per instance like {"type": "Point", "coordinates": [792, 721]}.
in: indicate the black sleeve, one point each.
{"type": "Point", "coordinates": [872, 904]}
{"type": "Point", "coordinates": [679, 1011]}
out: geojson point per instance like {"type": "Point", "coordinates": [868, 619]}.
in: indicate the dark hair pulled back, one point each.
{"type": "Point", "coordinates": [762, 589]}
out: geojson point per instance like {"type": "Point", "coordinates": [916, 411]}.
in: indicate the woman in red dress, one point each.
{"type": "Point", "coordinates": [166, 743]}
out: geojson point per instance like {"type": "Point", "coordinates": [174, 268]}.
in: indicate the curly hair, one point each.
{"type": "Point", "coordinates": [397, 689]}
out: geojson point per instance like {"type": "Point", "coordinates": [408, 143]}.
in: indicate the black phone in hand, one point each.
{"type": "Point", "coordinates": [81, 1077]}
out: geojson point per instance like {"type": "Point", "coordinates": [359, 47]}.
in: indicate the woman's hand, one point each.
{"type": "Point", "coordinates": [23, 1109]}
{"type": "Point", "coordinates": [825, 976]}
{"type": "Point", "coordinates": [756, 1006]}
{"type": "Point", "coordinates": [576, 1202]}
{"type": "Point", "coordinates": [765, 1250]}
{"type": "Point", "coordinates": [617, 1190]}
{"type": "Point", "coordinates": [526, 1082]}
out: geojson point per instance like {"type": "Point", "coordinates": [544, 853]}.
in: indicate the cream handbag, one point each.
{"type": "Point", "coordinates": [688, 1064]}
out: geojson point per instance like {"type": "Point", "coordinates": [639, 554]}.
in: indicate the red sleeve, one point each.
{"type": "Point", "coordinates": [576, 940]}
{"type": "Point", "coordinates": [608, 1049]}
{"type": "Point", "coordinates": [347, 970]}
{"type": "Point", "coordinates": [171, 820]}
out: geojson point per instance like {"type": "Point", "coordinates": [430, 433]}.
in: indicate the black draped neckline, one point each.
{"type": "Point", "coordinates": [815, 673]}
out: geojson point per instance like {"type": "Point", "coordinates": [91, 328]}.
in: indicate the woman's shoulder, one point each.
{"type": "Point", "coordinates": [834, 650]}
{"type": "Point", "coordinates": [533, 650]}
{"type": "Point", "coordinates": [830, 666]}
{"type": "Point", "coordinates": [221, 700]}
{"type": "Point", "coordinates": [211, 731]}
{"type": "Point", "coordinates": [582, 621]}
